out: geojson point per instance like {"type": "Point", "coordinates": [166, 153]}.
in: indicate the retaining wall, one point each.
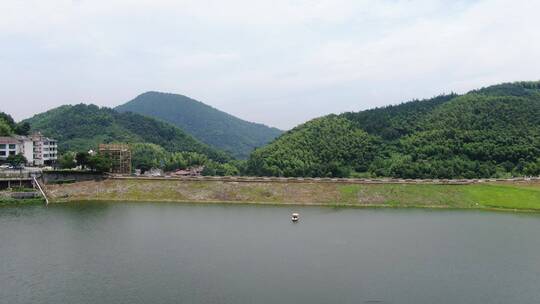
{"type": "Point", "coordinates": [55, 177]}
{"type": "Point", "coordinates": [19, 195]}
{"type": "Point", "coordinates": [252, 179]}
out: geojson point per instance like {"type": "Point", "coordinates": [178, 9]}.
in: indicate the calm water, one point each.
{"type": "Point", "coordinates": [175, 253]}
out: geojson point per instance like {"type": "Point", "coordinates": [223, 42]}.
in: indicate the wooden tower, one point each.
{"type": "Point", "coordinates": [120, 156]}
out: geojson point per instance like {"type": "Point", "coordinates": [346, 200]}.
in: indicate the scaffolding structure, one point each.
{"type": "Point", "coordinates": [120, 156]}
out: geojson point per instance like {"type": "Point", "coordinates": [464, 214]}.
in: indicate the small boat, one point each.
{"type": "Point", "coordinates": [295, 217]}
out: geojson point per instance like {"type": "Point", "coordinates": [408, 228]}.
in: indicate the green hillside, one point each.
{"type": "Point", "coordinates": [9, 127]}
{"type": "Point", "coordinates": [5, 128]}
{"type": "Point", "coordinates": [317, 148]}
{"type": "Point", "coordinates": [207, 124]}
{"type": "Point", "coordinates": [491, 132]}
{"type": "Point", "coordinates": [82, 127]}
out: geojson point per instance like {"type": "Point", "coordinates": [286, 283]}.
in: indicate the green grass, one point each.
{"type": "Point", "coordinates": [349, 193]}
{"type": "Point", "coordinates": [505, 196]}
{"type": "Point", "coordinates": [10, 201]}
{"type": "Point", "coordinates": [451, 196]}
{"type": "Point", "coordinates": [406, 195]}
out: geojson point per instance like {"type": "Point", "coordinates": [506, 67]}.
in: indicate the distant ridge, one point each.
{"type": "Point", "coordinates": [82, 127]}
{"type": "Point", "coordinates": [205, 123]}
{"type": "Point", "coordinates": [490, 132]}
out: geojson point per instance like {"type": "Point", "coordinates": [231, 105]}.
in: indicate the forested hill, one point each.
{"type": "Point", "coordinates": [82, 127]}
{"type": "Point", "coordinates": [207, 124]}
{"type": "Point", "coordinates": [9, 127]}
{"type": "Point", "coordinates": [490, 132]}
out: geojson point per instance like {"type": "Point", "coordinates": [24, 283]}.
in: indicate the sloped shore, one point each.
{"type": "Point", "coordinates": [522, 195]}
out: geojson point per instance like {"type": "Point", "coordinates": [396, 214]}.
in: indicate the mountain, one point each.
{"type": "Point", "coordinates": [9, 127]}
{"type": "Point", "coordinates": [207, 124]}
{"type": "Point", "coordinates": [490, 132]}
{"type": "Point", "coordinates": [316, 148]}
{"type": "Point", "coordinates": [82, 127]}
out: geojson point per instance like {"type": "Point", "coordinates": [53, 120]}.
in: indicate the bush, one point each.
{"type": "Point", "coordinates": [67, 160]}
{"type": "Point", "coordinates": [100, 163]}
{"type": "Point", "coordinates": [16, 160]}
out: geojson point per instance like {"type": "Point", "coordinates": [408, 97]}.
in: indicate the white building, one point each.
{"type": "Point", "coordinates": [36, 148]}
{"type": "Point", "coordinates": [9, 146]}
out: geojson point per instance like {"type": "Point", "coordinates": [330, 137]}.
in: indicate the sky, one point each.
{"type": "Point", "coordinates": [279, 62]}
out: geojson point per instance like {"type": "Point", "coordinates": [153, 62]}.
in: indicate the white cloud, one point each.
{"type": "Point", "coordinates": [296, 59]}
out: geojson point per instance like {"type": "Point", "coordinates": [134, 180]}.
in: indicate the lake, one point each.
{"type": "Point", "coordinates": [182, 253]}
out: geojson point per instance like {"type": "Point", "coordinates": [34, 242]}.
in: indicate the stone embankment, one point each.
{"type": "Point", "coordinates": [253, 179]}
{"type": "Point", "coordinates": [19, 194]}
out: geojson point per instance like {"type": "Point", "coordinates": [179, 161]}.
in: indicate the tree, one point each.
{"type": "Point", "coordinates": [533, 169]}
{"type": "Point", "coordinates": [216, 169]}
{"type": "Point", "coordinates": [82, 159]}
{"type": "Point", "coordinates": [5, 130]}
{"type": "Point", "coordinates": [146, 156]}
{"type": "Point", "coordinates": [17, 160]}
{"type": "Point", "coordinates": [67, 160]}
{"type": "Point", "coordinates": [9, 126]}
{"type": "Point", "coordinates": [176, 161]}
{"type": "Point", "coordinates": [99, 163]}
{"type": "Point", "coordinates": [22, 128]}
{"type": "Point", "coordinates": [240, 165]}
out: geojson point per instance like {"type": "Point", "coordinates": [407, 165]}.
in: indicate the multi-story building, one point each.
{"type": "Point", "coordinates": [36, 148]}
{"type": "Point", "coordinates": [9, 146]}
{"type": "Point", "coordinates": [45, 150]}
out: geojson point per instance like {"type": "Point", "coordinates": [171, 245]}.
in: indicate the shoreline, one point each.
{"type": "Point", "coordinates": [292, 204]}
{"type": "Point", "coordinates": [513, 197]}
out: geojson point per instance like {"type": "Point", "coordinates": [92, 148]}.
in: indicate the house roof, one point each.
{"type": "Point", "coordinates": [181, 172]}
{"type": "Point", "coordinates": [8, 140]}
{"type": "Point", "coordinates": [18, 139]}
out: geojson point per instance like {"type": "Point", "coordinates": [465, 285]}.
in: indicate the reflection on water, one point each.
{"type": "Point", "coordinates": [180, 253]}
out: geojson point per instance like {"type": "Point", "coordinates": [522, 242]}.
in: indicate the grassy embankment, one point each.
{"type": "Point", "coordinates": [522, 196]}
{"type": "Point", "coordinates": [6, 199]}
{"type": "Point", "coordinates": [11, 201]}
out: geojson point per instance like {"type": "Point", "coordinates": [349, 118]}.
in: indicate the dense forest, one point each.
{"type": "Point", "coordinates": [8, 126]}
{"type": "Point", "coordinates": [205, 123]}
{"type": "Point", "coordinates": [82, 127]}
{"type": "Point", "coordinates": [146, 156]}
{"type": "Point", "coordinates": [319, 147]}
{"type": "Point", "coordinates": [491, 132]}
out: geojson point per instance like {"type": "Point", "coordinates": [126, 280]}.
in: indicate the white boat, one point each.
{"type": "Point", "coordinates": [295, 217]}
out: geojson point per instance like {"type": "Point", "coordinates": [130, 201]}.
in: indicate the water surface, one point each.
{"type": "Point", "coordinates": [181, 253]}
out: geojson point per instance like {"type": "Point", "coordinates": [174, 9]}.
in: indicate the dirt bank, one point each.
{"type": "Point", "coordinates": [518, 195]}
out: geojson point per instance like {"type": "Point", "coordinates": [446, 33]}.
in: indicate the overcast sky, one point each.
{"type": "Point", "coordinates": [278, 62]}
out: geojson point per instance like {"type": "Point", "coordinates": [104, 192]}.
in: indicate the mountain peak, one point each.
{"type": "Point", "coordinates": [204, 122]}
